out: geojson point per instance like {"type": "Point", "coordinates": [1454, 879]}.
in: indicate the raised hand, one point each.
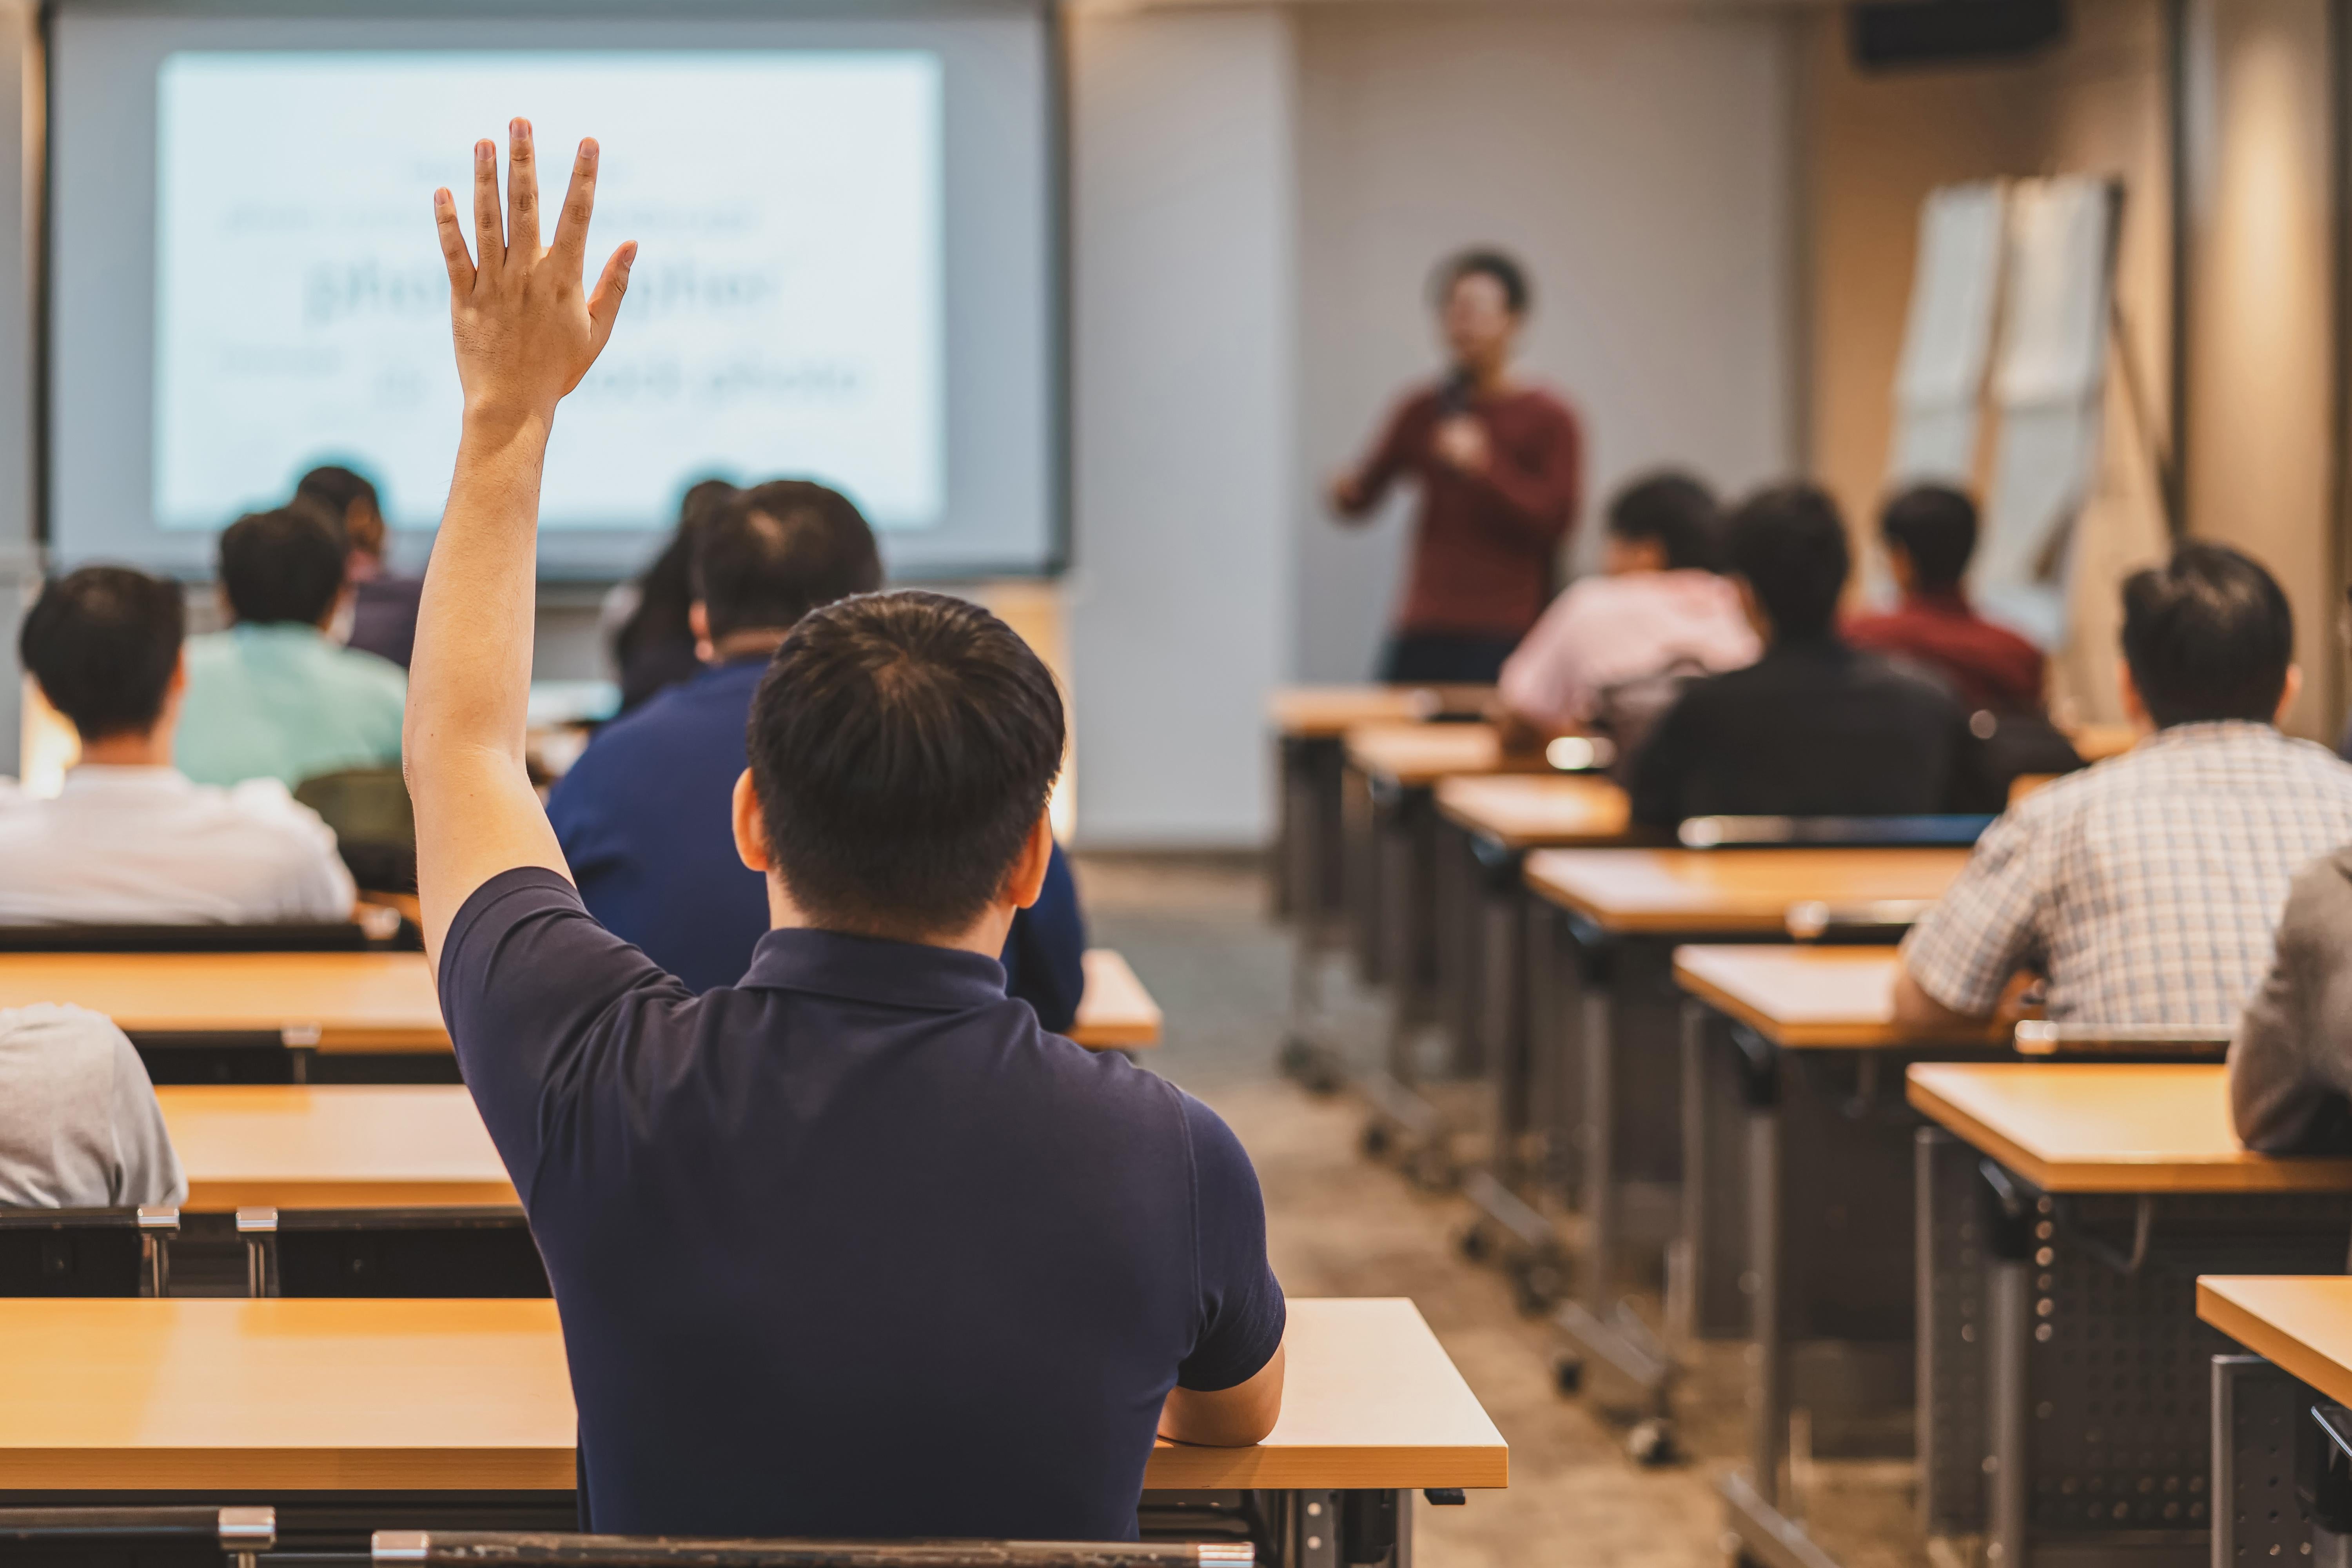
{"type": "Point", "coordinates": [525, 332]}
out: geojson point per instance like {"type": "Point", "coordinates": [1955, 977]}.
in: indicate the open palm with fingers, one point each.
{"type": "Point", "coordinates": [525, 329]}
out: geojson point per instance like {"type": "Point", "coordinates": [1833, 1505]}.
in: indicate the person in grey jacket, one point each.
{"type": "Point", "coordinates": [2291, 1061]}
{"type": "Point", "coordinates": [79, 1127]}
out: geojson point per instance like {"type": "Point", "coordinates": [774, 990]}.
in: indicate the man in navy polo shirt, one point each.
{"type": "Point", "coordinates": [853, 1248]}
{"type": "Point", "coordinates": [643, 815]}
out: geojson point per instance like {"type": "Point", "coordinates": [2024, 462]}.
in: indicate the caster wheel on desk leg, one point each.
{"type": "Point", "coordinates": [1431, 1171]}
{"type": "Point", "coordinates": [1375, 1142]}
{"type": "Point", "coordinates": [1567, 1376]}
{"type": "Point", "coordinates": [1652, 1445]}
{"type": "Point", "coordinates": [1475, 1245]}
{"type": "Point", "coordinates": [1537, 1286]}
{"type": "Point", "coordinates": [1297, 1059]}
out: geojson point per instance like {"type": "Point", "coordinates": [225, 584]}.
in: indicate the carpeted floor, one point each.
{"type": "Point", "coordinates": [1196, 930]}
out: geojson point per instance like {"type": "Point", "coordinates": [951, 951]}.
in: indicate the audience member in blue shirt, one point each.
{"type": "Point", "coordinates": [853, 1248]}
{"type": "Point", "coordinates": [643, 815]}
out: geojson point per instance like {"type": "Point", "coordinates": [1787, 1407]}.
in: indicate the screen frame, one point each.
{"type": "Point", "coordinates": [1053, 15]}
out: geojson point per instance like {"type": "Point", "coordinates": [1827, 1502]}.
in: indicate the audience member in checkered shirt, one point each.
{"type": "Point", "coordinates": [2146, 889]}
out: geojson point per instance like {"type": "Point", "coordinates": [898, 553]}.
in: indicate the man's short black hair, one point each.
{"type": "Point", "coordinates": [1675, 511]}
{"type": "Point", "coordinates": [902, 747]}
{"type": "Point", "coordinates": [282, 565]}
{"type": "Point", "coordinates": [1935, 526]}
{"type": "Point", "coordinates": [2208, 636]}
{"type": "Point", "coordinates": [1790, 544]}
{"type": "Point", "coordinates": [102, 643]}
{"type": "Point", "coordinates": [769, 555]}
{"type": "Point", "coordinates": [1485, 262]}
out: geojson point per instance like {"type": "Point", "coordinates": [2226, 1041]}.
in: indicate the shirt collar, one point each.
{"type": "Point", "coordinates": [83, 777]}
{"type": "Point", "coordinates": [871, 969]}
{"type": "Point", "coordinates": [276, 631]}
{"type": "Point", "coordinates": [2206, 731]}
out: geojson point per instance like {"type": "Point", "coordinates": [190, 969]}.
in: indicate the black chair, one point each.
{"type": "Point", "coordinates": [134, 1537]}
{"type": "Point", "coordinates": [2120, 1042]}
{"type": "Point", "coordinates": [1953, 831]}
{"type": "Point", "coordinates": [391, 1252]}
{"type": "Point", "coordinates": [87, 1252]}
{"type": "Point", "coordinates": [450, 1549]}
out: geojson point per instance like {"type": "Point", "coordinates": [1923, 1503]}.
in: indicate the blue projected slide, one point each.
{"type": "Point", "coordinates": [786, 314]}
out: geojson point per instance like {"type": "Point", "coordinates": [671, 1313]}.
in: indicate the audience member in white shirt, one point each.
{"type": "Point", "coordinates": [130, 840]}
{"type": "Point", "coordinates": [1660, 604]}
{"type": "Point", "coordinates": [79, 1128]}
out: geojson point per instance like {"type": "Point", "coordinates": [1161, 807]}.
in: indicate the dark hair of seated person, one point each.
{"type": "Point", "coordinates": [1935, 526]}
{"type": "Point", "coordinates": [902, 748]}
{"type": "Point", "coordinates": [348, 498]}
{"type": "Point", "coordinates": [655, 646]}
{"type": "Point", "coordinates": [281, 567]}
{"type": "Point", "coordinates": [1788, 543]}
{"type": "Point", "coordinates": [102, 644]}
{"type": "Point", "coordinates": [775, 552]}
{"type": "Point", "coordinates": [1675, 512]}
{"type": "Point", "coordinates": [2208, 636]}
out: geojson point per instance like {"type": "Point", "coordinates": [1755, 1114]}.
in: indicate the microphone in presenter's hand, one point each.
{"type": "Point", "coordinates": [1454, 397]}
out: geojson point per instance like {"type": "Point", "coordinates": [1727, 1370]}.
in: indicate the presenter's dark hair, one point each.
{"type": "Point", "coordinates": [1790, 544]}
{"type": "Point", "coordinates": [102, 643]}
{"type": "Point", "coordinates": [1935, 526]}
{"type": "Point", "coordinates": [902, 747]}
{"type": "Point", "coordinates": [1502, 268]}
{"type": "Point", "coordinates": [282, 565]}
{"type": "Point", "coordinates": [772, 554]}
{"type": "Point", "coordinates": [1674, 511]}
{"type": "Point", "coordinates": [348, 498]}
{"type": "Point", "coordinates": [2208, 635]}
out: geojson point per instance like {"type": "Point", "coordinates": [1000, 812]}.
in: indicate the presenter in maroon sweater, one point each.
{"type": "Point", "coordinates": [1499, 464]}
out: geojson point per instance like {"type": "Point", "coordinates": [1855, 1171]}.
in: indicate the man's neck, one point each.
{"type": "Point", "coordinates": [756, 642]}
{"type": "Point", "coordinates": [147, 749]}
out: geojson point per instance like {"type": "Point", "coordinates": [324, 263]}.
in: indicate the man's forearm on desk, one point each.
{"type": "Point", "coordinates": [1915, 1010]}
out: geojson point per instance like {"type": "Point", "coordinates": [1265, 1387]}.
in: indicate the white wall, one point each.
{"type": "Point", "coordinates": [1185, 402]}
{"type": "Point", "coordinates": [1638, 161]}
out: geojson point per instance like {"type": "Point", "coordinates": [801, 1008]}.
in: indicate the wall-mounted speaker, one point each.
{"type": "Point", "coordinates": [1892, 34]}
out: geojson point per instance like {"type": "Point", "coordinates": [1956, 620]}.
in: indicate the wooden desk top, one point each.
{"type": "Point", "coordinates": [380, 1001]}
{"type": "Point", "coordinates": [1524, 811]}
{"type": "Point", "coordinates": [1730, 893]}
{"type": "Point", "coordinates": [333, 1146]}
{"type": "Point", "coordinates": [1115, 1011]}
{"type": "Point", "coordinates": [1417, 756]}
{"type": "Point", "coordinates": [2111, 1127]}
{"type": "Point", "coordinates": [1310, 712]}
{"type": "Point", "coordinates": [1811, 998]}
{"type": "Point", "coordinates": [349, 1001]}
{"type": "Point", "coordinates": [292, 1395]}
{"type": "Point", "coordinates": [2301, 1322]}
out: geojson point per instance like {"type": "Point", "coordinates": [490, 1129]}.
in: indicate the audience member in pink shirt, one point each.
{"type": "Point", "coordinates": [1661, 603]}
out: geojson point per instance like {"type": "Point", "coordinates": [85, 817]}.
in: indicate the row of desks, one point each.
{"type": "Point", "coordinates": [380, 1002]}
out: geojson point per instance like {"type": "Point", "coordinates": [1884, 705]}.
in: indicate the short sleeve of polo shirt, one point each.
{"type": "Point", "coordinates": [1988, 924]}
{"type": "Point", "coordinates": [1242, 1308]}
{"type": "Point", "coordinates": [541, 1002]}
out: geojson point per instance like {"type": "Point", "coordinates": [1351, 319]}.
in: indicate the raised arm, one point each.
{"type": "Point", "coordinates": [525, 333]}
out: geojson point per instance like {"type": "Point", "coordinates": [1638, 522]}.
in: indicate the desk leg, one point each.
{"type": "Point", "coordinates": [2008, 1290]}
{"type": "Point", "coordinates": [2261, 1416]}
{"type": "Point", "coordinates": [1769, 1408]}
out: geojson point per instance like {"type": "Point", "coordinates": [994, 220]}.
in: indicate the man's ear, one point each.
{"type": "Point", "coordinates": [1027, 877]}
{"type": "Point", "coordinates": [2288, 693]}
{"type": "Point", "coordinates": [1757, 619]}
{"type": "Point", "coordinates": [179, 681]}
{"type": "Point", "coordinates": [2135, 709]}
{"type": "Point", "coordinates": [750, 827]}
{"type": "Point", "coordinates": [697, 621]}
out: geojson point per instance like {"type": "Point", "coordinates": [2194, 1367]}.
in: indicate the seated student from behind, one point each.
{"type": "Point", "coordinates": [1930, 532]}
{"type": "Point", "coordinates": [1659, 605]}
{"type": "Point", "coordinates": [274, 697]}
{"type": "Point", "coordinates": [130, 840]}
{"type": "Point", "coordinates": [1814, 728]}
{"type": "Point", "coordinates": [382, 603]}
{"type": "Point", "coordinates": [79, 1128]}
{"type": "Point", "coordinates": [853, 1247]}
{"type": "Point", "coordinates": [2146, 889]}
{"type": "Point", "coordinates": [645, 817]}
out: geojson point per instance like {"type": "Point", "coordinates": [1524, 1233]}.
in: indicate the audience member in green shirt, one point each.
{"type": "Point", "coordinates": [274, 696]}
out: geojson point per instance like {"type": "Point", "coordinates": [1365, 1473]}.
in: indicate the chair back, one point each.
{"type": "Point", "coordinates": [1956, 830]}
{"type": "Point", "coordinates": [474, 1252]}
{"type": "Point", "coordinates": [151, 1537]}
{"type": "Point", "coordinates": [450, 1549]}
{"type": "Point", "coordinates": [376, 827]}
{"type": "Point", "coordinates": [87, 1252]}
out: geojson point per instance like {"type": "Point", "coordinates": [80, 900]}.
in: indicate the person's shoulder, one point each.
{"type": "Point", "coordinates": [1543, 398]}
{"type": "Point", "coordinates": [369, 672]}
{"type": "Point", "coordinates": [266, 808]}
{"type": "Point", "coordinates": [1912, 683]}
{"type": "Point", "coordinates": [209, 652]}
{"type": "Point", "coordinates": [68, 1036]}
